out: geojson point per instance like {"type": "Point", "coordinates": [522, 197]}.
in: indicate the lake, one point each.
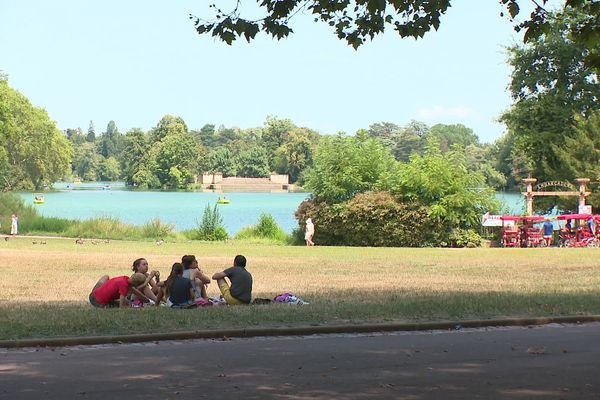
{"type": "Point", "coordinates": [184, 209]}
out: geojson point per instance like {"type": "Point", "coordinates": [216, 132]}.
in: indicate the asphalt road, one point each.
{"type": "Point", "coordinates": [547, 362]}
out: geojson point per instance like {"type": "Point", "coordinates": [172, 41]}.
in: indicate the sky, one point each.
{"type": "Point", "coordinates": [135, 61]}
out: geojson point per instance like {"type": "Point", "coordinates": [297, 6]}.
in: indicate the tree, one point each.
{"type": "Point", "coordinates": [456, 196]}
{"type": "Point", "coordinates": [134, 155]}
{"type": "Point", "coordinates": [253, 163]}
{"type": "Point", "coordinates": [580, 154]}
{"type": "Point", "coordinates": [551, 85]}
{"type": "Point", "coordinates": [449, 135]}
{"type": "Point", "coordinates": [91, 133]}
{"type": "Point", "coordinates": [168, 125]}
{"type": "Point", "coordinates": [75, 136]}
{"type": "Point", "coordinates": [205, 136]}
{"type": "Point", "coordinates": [344, 166]}
{"type": "Point", "coordinates": [174, 160]}
{"type": "Point", "coordinates": [36, 152]}
{"type": "Point", "coordinates": [274, 134]}
{"type": "Point", "coordinates": [109, 169]}
{"type": "Point", "coordinates": [296, 154]}
{"type": "Point", "coordinates": [111, 141]}
{"type": "Point", "coordinates": [359, 20]}
{"type": "Point", "coordinates": [86, 162]}
{"type": "Point", "coordinates": [221, 160]}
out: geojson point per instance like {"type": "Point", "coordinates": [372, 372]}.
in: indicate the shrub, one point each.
{"type": "Point", "coordinates": [210, 228]}
{"type": "Point", "coordinates": [465, 238]}
{"type": "Point", "coordinates": [45, 225]}
{"type": "Point", "coordinates": [156, 229]}
{"type": "Point", "coordinates": [266, 228]}
{"type": "Point", "coordinates": [371, 219]}
{"type": "Point", "coordinates": [103, 228]}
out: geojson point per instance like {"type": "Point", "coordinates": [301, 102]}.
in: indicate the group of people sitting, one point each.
{"type": "Point", "coordinates": [185, 286]}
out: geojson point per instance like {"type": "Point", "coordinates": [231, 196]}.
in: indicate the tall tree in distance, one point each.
{"type": "Point", "coordinates": [91, 133]}
{"type": "Point", "coordinates": [110, 143]}
{"type": "Point", "coordinates": [134, 155]}
{"type": "Point", "coordinates": [168, 125]}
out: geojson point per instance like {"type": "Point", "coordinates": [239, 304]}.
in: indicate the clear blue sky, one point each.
{"type": "Point", "coordinates": [134, 61]}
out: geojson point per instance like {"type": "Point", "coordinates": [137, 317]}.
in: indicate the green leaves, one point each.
{"type": "Point", "coordinates": [344, 166]}
{"type": "Point", "coordinates": [35, 151]}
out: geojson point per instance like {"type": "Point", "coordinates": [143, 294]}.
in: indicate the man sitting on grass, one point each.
{"type": "Point", "coordinates": [113, 292]}
{"type": "Point", "coordinates": [240, 291]}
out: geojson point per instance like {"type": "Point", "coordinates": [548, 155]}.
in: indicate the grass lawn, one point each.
{"type": "Point", "coordinates": [45, 286]}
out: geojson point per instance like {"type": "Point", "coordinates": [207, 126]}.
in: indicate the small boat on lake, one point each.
{"type": "Point", "coordinates": [223, 200]}
{"type": "Point", "coordinates": [106, 187]}
{"type": "Point", "coordinates": [38, 198]}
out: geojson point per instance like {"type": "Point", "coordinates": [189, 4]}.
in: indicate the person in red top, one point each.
{"type": "Point", "coordinates": [113, 292]}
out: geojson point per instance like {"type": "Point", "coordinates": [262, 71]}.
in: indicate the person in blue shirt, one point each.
{"type": "Point", "coordinates": [547, 231]}
{"type": "Point", "coordinates": [591, 226]}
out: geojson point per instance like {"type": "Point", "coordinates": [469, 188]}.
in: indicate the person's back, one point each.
{"type": "Point", "coordinates": [241, 283]}
{"type": "Point", "coordinates": [112, 289]}
{"type": "Point", "coordinates": [240, 291]}
{"type": "Point", "coordinates": [179, 293]}
{"type": "Point", "coordinates": [548, 228]}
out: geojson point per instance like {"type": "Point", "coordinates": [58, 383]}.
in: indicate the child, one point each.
{"type": "Point", "coordinates": [177, 289]}
{"type": "Point", "coordinates": [113, 292]}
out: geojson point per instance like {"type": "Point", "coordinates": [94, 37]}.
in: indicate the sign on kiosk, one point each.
{"type": "Point", "coordinates": [491, 220]}
{"type": "Point", "coordinates": [585, 209]}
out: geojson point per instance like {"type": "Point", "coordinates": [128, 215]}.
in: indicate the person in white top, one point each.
{"type": "Point", "coordinates": [309, 233]}
{"type": "Point", "coordinates": [14, 226]}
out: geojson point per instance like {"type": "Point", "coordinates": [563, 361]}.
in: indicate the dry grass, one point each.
{"type": "Point", "coordinates": [45, 287]}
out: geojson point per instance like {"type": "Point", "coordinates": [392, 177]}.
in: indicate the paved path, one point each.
{"type": "Point", "coordinates": [547, 362]}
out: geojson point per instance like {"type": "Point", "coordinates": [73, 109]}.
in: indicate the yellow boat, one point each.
{"type": "Point", "coordinates": [223, 200]}
{"type": "Point", "coordinates": [38, 198]}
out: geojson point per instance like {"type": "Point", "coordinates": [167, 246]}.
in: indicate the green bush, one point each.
{"type": "Point", "coordinates": [266, 228]}
{"type": "Point", "coordinates": [43, 225]}
{"type": "Point", "coordinates": [103, 228]}
{"type": "Point", "coordinates": [371, 219]}
{"type": "Point", "coordinates": [464, 238]}
{"type": "Point", "coordinates": [156, 229]}
{"type": "Point", "coordinates": [210, 228]}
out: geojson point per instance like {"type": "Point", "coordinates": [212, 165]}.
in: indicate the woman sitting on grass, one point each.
{"type": "Point", "coordinates": [192, 271]}
{"type": "Point", "coordinates": [151, 289]}
{"type": "Point", "coordinates": [113, 292]}
{"type": "Point", "coordinates": [177, 290]}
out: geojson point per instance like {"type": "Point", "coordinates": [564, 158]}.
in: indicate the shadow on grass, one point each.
{"type": "Point", "coordinates": [55, 319]}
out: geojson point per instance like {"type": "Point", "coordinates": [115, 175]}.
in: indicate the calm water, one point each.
{"type": "Point", "coordinates": [183, 209]}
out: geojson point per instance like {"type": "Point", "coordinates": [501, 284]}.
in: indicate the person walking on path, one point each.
{"type": "Point", "coordinates": [14, 225]}
{"type": "Point", "coordinates": [240, 291]}
{"type": "Point", "coordinates": [309, 232]}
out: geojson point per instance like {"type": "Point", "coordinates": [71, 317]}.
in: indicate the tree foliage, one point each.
{"type": "Point", "coordinates": [551, 86]}
{"type": "Point", "coordinates": [360, 20]}
{"type": "Point", "coordinates": [370, 219]}
{"type": "Point", "coordinates": [35, 152]}
{"type": "Point", "coordinates": [344, 166]}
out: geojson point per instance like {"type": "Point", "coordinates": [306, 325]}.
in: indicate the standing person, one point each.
{"type": "Point", "coordinates": [309, 233]}
{"type": "Point", "coordinates": [547, 231]}
{"type": "Point", "coordinates": [14, 225]}
{"type": "Point", "coordinates": [192, 271]}
{"type": "Point", "coordinates": [240, 291]}
{"type": "Point", "coordinates": [113, 292]}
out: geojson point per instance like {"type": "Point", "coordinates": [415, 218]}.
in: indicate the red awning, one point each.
{"type": "Point", "coordinates": [575, 216]}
